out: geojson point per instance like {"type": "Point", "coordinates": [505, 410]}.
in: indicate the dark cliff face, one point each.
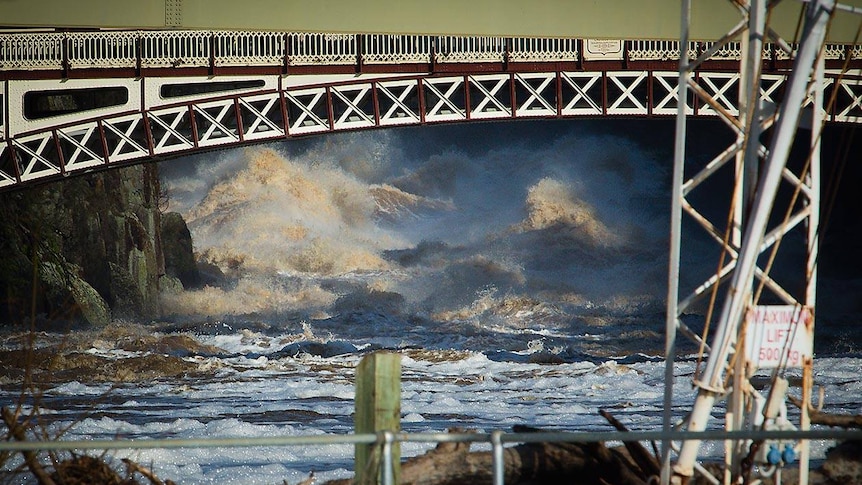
{"type": "Point", "coordinates": [178, 249]}
{"type": "Point", "coordinates": [91, 237]}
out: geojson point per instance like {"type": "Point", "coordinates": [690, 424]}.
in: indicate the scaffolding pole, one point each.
{"type": "Point", "coordinates": [754, 194]}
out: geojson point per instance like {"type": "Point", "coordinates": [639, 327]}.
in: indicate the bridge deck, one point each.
{"type": "Point", "coordinates": [100, 54]}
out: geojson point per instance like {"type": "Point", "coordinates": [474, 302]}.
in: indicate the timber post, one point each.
{"type": "Point", "coordinates": [378, 410]}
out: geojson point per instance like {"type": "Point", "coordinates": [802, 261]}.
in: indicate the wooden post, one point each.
{"type": "Point", "coordinates": [378, 408]}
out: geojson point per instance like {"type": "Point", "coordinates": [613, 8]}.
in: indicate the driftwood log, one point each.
{"type": "Point", "coordinates": [525, 464]}
{"type": "Point", "coordinates": [837, 420]}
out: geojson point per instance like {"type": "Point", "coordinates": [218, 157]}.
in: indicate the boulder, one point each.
{"type": "Point", "coordinates": [844, 462]}
{"type": "Point", "coordinates": [62, 280]}
{"type": "Point", "coordinates": [178, 250]}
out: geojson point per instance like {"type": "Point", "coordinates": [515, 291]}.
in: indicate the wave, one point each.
{"type": "Point", "coordinates": [551, 203]}
{"type": "Point", "coordinates": [420, 224]}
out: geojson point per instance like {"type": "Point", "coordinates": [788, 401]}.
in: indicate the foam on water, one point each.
{"type": "Point", "coordinates": [255, 395]}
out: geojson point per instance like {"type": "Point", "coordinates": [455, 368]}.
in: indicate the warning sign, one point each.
{"type": "Point", "coordinates": [778, 335]}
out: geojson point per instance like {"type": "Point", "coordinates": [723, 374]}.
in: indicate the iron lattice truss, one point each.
{"type": "Point", "coordinates": [219, 122]}
{"type": "Point", "coordinates": [758, 170]}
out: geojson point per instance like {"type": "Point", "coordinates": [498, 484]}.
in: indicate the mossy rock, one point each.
{"type": "Point", "coordinates": [62, 280]}
{"type": "Point", "coordinates": [178, 250]}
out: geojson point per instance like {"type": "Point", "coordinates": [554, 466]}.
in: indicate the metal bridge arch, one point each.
{"type": "Point", "coordinates": [123, 136]}
{"type": "Point", "coordinates": [267, 86]}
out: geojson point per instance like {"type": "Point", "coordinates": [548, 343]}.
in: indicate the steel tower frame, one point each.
{"type": "Point", "coordinates": [750, 233]}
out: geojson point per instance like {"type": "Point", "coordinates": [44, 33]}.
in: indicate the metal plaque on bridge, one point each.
{"type": "Point", "coordinates": [779, 336]}
{"type": "Point", "coordinates": [598, 49]}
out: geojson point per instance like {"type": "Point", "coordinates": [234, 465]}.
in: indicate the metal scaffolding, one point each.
{"type": "Point", "coordinates": [748, 240]}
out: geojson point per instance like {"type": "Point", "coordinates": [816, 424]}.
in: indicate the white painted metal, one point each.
{"type": "Point", "coordinates": [320, 48]}
{"type": "Point", "coordinates": [719, 86]}
{"type": "Point", "coordinates": [33, 156]}
{"type": "Point", "coordinates": [672, 320]}
{"type": "Point", "coordinates": [470, 49]}
{"type": "Point", "coordinates": [529, 49]}
{"type": "Point", "coordinates": [151, 124]}
{"type": "Point", "coordinates": [659, 50]}
{"type": "Point", "coordinates": [358, 108]}
{"type": "Point", "coordinates": [587, 100]}
{"type": "Point", "coordinates": [728, 51]}
{"type": "Point", "coordinates": [127, 138]}
{"type": "Point", "coordinates": [627, 102]}
{"type": "Point", "coordinates": [440, 101]}
{"type": "Point", "coordinates": [396, 95]}
{"type": "Point", "coordinates": [308, 102]}
{"type": "Point", "coordinates": [666, 94]}
{"type": "Point", "coordinates": [171, 129]}
{"type": "Point", "coordinates": [541, 92]}
{"type": "Point", "coordinates": [27, 51]}
{"type": "Point", "coordinates": [18, 123]}
{"type": "Point", "coordinates": [101, 50]}
{"type": "Point", "coordinates": [840, 51]}
{"type": "Point", "coordinates": [755, 238]}
{"type": "Point", "coordinates": [365, 103]}
{"type": "Point", "coordinates": [852, 112]}
{"type": "Point", "coordinates": [248, 48]}
{"type": "Point", "coordinates": [152, 87]}
{"type": "Point", "coordinates": [262, 116]}
{"type": "Point", "coordinates": [495, 98]}
{"type": "Point", "coordinates": [81, 146]}
{"type": "Point", "coordinates": [216, 123]}
{"type": "Point", "coordinates": [175, 48]}
{"type": "Point", "coordinates": [396, 49]}
{"type": "Point", "coordinates": [197, 48]}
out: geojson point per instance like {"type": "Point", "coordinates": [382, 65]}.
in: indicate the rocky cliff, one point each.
{"type": "Point", "coordinates": [92, 245]}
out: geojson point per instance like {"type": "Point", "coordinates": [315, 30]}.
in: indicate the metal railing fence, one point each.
{"type": "Point", "coordinates": [201, 48]}
{"type": "Point", "coordinates": [497, 440]}
{"type": "Point", "coordinates": [392, 49]}
{"type": "Point", "coordinates": [175, 48]}
{"type": "Point", "coordinates": [248, 47]}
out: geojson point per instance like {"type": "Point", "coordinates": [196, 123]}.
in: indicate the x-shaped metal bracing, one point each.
{"type": "Point", "coordinates": [489, 97]}
{"type": "Point", "coordinates": [636, 106]}
{"type": "Point", "coordinates": [36, 158]}
{"type": "Point", "coordinates": [443, 100]}
{"type": "Point", "coordinates": [307, 111]}
{"type": "Point", "coordinates": [399, 105]}
{"type": "Point", "coordinates": [544, 107]}
{"type": "Point", "coordinates": [353, 107]}
{"type": "Point", "coordinates": [171, 131]}
{"type": "Point", "coordinates": [216, 123]}
{"type": "Point", "coordinates": [254, 130]}
{"type": "Point", "coordinates": [75, 160]}
{"type": "Point", "coordinates": [125, 138]}
{"type": "Point", "coordinates": [587, 80]}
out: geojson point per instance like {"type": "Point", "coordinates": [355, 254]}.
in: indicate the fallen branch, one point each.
{"type": "Point", "coordinates": [133, 467]}
{"type": "Point", "coordinates": [30, 457]}
{"type": "Point", "coordinates": [837, 420]}
{"type": "Point", "coordinates": [645, 460]}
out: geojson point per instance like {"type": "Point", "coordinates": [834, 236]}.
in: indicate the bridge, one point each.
{"type": "Point", "coordinates": [77, 101]}
{"type": "Point", "coordinates": [80, 100]}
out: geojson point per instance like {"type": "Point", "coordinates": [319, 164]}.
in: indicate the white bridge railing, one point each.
{"type": "Point", "coordinates": [197, 48]}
